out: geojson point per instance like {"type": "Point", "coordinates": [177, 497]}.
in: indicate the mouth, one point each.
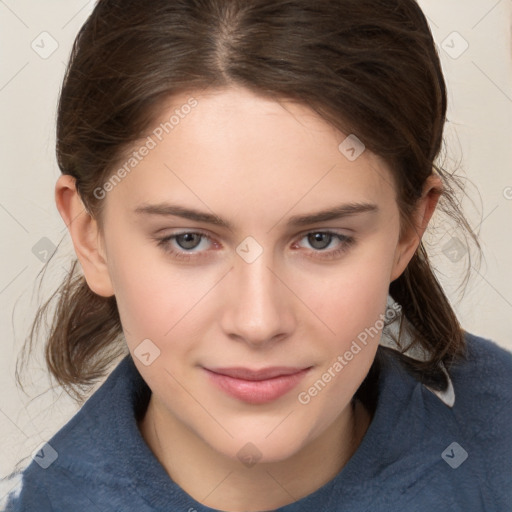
{"type": "Point", "coordinates": [256, 386]}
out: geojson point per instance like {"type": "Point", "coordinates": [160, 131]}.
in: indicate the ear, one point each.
{"type": "Point", "coordinates": [411, 238]}
{"type": "Point", "coordinates": [85, 235]}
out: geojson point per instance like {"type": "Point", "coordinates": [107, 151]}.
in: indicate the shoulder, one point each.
{"type": "Point", "coordinates": [483, 414]}
{"type": "Point", "coordinates": [14, 498]}
{"type": "Point", "coordinates": [482, 382]}
{"type": "Point", "coordinates": [486, 348]}
{"type": "Point", "coordinates": [433, 453]}
{"type": "Point", "coordinates": [76, 462]}
{"type": "Point", "coordinates": [484, 377]}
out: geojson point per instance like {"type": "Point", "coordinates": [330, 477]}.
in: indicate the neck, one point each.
{"type": "Point", "coordinates": [223, 483]}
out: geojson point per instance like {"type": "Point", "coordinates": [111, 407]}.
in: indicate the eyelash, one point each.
{"type": "Point", "coordinates": [346, 243]}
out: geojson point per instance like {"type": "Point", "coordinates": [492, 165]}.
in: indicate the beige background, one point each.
{"type": "Point", "coordinates": [478, 136]}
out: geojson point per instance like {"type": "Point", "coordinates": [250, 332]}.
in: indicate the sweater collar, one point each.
{"type": "Point", "coordinates": [390, 335]}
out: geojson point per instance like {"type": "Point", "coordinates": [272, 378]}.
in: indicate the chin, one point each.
{"type": "Point", "coordinates": [250, 450]}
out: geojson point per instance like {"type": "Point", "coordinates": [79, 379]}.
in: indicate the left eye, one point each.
{"type": "Point", "coordinates": [188, 240]}
{"type": "Point", "coordinates": [320, 241]}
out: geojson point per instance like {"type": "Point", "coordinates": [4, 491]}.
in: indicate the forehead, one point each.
{"type": "Point", "coordinates": [232, 147]}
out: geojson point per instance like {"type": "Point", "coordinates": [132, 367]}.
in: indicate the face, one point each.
{"type": "Point", "coordinates": [250, 282]}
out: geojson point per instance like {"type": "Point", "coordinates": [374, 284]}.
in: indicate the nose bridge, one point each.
{"type": "Point", "coordinates": [258, 307]}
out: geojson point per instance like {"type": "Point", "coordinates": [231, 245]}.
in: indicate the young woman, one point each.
{"type": "Point", "coordinates": [247, 185]}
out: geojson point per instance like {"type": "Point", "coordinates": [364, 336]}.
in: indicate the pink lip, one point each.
{"type": "Point", "coordinates": [256, 386]}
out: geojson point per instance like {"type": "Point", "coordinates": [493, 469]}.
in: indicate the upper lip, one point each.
{"type": "Point", "coordinates": [260, 374]}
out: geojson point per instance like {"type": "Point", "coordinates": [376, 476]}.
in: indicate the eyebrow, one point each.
{"type": "Point", "coordinates": [334, 213]}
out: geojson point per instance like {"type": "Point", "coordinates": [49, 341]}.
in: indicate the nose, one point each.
{"type": "Point", "coordinates": [259, 307]}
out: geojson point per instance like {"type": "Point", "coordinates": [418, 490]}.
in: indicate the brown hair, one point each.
{"type": "Point", "coordinates": [369, 67]}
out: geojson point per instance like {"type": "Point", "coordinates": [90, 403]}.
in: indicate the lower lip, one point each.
{"type": "Point", "coordinates": [257, 392]}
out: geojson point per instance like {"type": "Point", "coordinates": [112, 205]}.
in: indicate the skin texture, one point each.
{"type": "Point", "coordinates": [253, 162]}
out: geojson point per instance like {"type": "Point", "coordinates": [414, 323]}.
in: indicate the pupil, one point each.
{"type": "Point", "coordinates": [317, 238]}
{"type": "Point", "coordinates": [188, 239]}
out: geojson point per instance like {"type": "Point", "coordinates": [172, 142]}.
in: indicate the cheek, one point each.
{"type": "Point", "coordinates": [150, 296]}
{"type": "Point", "coordinates": [351, 304]}
{"type": "Point", "coordinates": [352, 307]}
{"type": "Point", "coordinates": [352, 296]}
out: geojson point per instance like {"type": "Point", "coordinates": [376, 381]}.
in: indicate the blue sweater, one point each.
{"type": "Point", "coordinates": [419, 452]}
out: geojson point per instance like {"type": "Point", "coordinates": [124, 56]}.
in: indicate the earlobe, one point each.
{"type": "Point", "coordinates": [410, 241]}
{"type": "Point", "coordinates": [85, 235]}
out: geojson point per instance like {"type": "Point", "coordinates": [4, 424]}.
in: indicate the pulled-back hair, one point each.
{"type": "Point", "coordinates": [368, 67]}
